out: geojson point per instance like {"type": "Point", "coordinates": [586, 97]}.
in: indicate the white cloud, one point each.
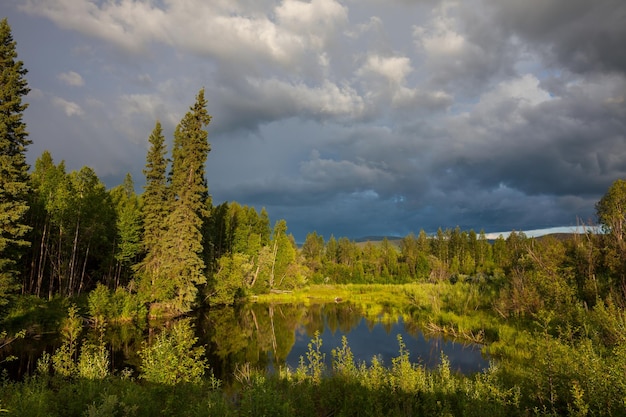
{"type": "Point", "coordinates": [328, 99]}
{"type": "Point", "coordinates": [71, 78]}
{"type": "Point", "coordinates": [517, 93]}
{"type": "Point", "coordinates": [374, 23]}
{"type": "Point", "coordinates": [282, 34]}
{"type": "Point", "coordinates": [69, 107]}
{"type": "Point", "coordinates": [394, 68]}
{"type": "Point", "coordinates": [127, 24]}
{"type": "Point", "coordinates": [316, 20]}
{"type": "Point", "coordinates": [440, 39]}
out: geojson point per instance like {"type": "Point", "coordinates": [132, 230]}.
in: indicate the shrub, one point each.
{"type": "Point", "coordinates": [173, 358]}
{"type": "Point", "coordinates": [63, 360]}
{"type": "Point", "coordinates": [93, 362]}
{"type": "Point", "coordinates": [99, 303]}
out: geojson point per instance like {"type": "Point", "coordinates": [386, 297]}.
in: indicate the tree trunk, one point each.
{"type": "Point", "coordinates": [73, 260]}
{"type": "Point", "coordinates": [82, 274]}
{"type": "Point", "coordinates": [42, 259]}
{"type": "Point", "coordinates": [273, 263]}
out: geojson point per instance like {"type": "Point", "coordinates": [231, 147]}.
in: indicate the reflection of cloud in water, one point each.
{"type": "Point", "coordinates": [366, 343]}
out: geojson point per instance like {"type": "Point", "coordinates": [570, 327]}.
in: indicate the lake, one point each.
{"type": "Point", "coordinates": [269, 336]}
{"type": "Point", "coordinates": [273, 336]}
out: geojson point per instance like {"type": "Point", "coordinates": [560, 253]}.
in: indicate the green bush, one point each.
{"type": "Point", "coordinates": [172, 358]}
{"type": "Point", "coordinates": [64, 359]}
{"type": "Point", "coordinates": [93, 362]}
{"type": "Point", "coordinates": [119, 306]}
{"type": "Point", "coordinates": [99, 303]}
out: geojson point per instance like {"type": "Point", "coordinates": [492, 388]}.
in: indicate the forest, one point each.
{"type": "Point", "coordinates": [76, 255]}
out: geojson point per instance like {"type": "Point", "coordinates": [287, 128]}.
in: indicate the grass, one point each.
{"type": "Point", "coordinates": [538, 373]}
{"type": "Point", "coordinates": [460, 310]}
{"type": "Point", "coordinates": [560, 380]}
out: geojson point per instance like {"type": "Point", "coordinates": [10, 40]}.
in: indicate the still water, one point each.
{"type": "Point", "coordinates": [269, 336]}
{"type": "Point", "coordinates": [273, 336]}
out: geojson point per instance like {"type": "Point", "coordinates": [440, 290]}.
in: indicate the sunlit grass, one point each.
{"type": "Point", "coordinates": [458, 310]}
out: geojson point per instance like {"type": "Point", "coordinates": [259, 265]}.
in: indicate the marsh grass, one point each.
{"type": "Point", "coordinates": [539, 367]}
{"type": "Point", "coordinates": [559, 378]}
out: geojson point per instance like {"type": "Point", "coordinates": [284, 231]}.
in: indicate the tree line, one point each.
{"type": "Point", "coordinates": [63, 233]}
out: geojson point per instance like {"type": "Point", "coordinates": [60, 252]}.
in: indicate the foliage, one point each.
{"type": "Point", "coordinates": [314, 365]}
{"type": "Point", "coordinates": [75, 228]}
{"type": "Point", "coordinates": [64, 359]}
{"type": "Point", "coordinates": [129, 228]}
{"type": "Point", "coordinates": [173, 358]}
{"type": "Point", "coordinates": [118, 306]}
{"type": "Point", "coordinates": [556, 376]}
{"type": "Point", "coordinates": [14, 186]}
{"type": "Point", "coordinates": [156, 204]}
{"type": "Point", "coordinates": [174, 268]}
{"type": "Point", "coordinates": [231, 278]}
{"type": "Point", "coordinates": [93, 362]}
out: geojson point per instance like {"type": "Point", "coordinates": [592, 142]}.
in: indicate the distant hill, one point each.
{"type": "Point", "coordinates": [395, 240]}
{"type": "Point", "coordinates": [559, 236]}
{"type": "Point", "coordinates": [376, 238]}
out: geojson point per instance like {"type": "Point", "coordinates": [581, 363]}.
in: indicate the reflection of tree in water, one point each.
{"type": "Point", "coordinates": [412, 327]}
{"type": "Point", "coordinates": [283, 322]}
{"type": "Point", "coordinates": [385, 315]}
{"type": "Point", "coordinates": [343, 317]}
{"type": "Point", "coordinates": [313, 320]}
{"type": "Point", "coordinates": [248, 334]}
{"type": "Point", "coordinates": [228, 338]}
{"type": "Point", "coordinates": [125, 341]}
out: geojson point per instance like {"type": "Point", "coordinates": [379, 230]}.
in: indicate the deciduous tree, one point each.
{"type": "Point", "coordinates": [128, 221]}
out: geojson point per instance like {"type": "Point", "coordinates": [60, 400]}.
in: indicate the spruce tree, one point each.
{"type": "Point", "coordinates": [155, 208]}
{"type": "Point", "coordinates": [13, 166]}
{"type": "Point", "coordinates": [155, 196]}
{"type": "Point", "coordinates": [183, 263]}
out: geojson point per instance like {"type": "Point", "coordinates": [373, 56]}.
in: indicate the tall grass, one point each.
{"type": "Point", "coordinates": [540, 368]}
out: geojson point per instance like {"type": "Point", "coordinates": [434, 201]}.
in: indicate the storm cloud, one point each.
{"type": "Point", "coordinates": [351, 118]}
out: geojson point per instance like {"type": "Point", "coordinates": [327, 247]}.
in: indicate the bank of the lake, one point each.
{"type": "Point", "coordinates": [540, 367]}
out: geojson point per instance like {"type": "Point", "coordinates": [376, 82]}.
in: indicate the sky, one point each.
{"type": "Point", "coordinates": [349, 118]}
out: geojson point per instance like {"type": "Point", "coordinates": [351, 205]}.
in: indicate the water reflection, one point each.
{"type": "Point", "coordinates": [269, 336]}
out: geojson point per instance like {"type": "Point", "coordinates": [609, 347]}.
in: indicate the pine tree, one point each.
{"type": "Point", "coordinates": [182, 251]}
{"type": "Point", "coordinates": [156, 203]}
{"type": "Point", "coordinates": [155, 196]}
{"type": "Point", "coordinates": [13, 166]}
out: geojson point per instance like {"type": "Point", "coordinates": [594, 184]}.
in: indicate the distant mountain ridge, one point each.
{"type": "Point", "coordinates": [376, 238]}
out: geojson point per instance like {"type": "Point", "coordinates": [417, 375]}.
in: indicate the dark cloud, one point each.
{"type": "Point", "coordinates": [579, 35]}
{"type": "Point", "coordinates": [348, 118]}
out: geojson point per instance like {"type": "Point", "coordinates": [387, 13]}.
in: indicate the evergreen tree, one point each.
{"type": "Point", "coordinates": [155, 208]}
{"type": "Point", "coordinates": [13, 167]}
{"type": "Point", "coordinates": [183, 263]}
{"type": "Point", "coordinates": [155, 196]}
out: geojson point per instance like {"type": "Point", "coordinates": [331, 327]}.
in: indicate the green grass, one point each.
{"type": "Point", "coordinates": [560, 379]}
{"type": "Point", "coordinates": [537, 371]}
